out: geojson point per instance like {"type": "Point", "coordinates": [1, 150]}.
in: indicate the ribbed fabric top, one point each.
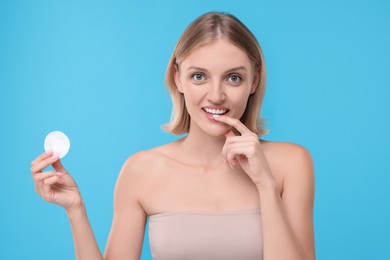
{"type": "Point", "coordinates": [206, 235]}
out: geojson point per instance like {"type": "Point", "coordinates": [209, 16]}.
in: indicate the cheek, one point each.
{"type": "Point", "coordinates": [240, 95]}
{"type": "Point", "coordinates": [191, 97]}
{"type": "Point", "coordinates": [193, 94]}
{"type": "Point", "coordinates": [240, 101]}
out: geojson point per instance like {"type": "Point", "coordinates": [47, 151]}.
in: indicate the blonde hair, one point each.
{"type": "Point", "coordinates": [203, 30]}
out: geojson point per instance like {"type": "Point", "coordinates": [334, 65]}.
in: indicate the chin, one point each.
{"type": "Point", "coordinates": [216, 130]}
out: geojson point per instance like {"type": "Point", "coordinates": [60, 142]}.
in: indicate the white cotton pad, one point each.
{"type": "Point", "coordinates": [57, 142]}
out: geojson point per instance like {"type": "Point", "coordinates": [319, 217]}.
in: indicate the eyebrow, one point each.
{"type": "Point", "coordinates": [230, 70]}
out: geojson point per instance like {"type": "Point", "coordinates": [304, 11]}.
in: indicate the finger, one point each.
{"type": "Point", "coordinates": [52, 180]}
{"type": "Point", "coordinates": [46, 189]}
{"type": "Point", "coordinates": [46, 193]}
{"type": "Point", "coordinates": [245, 142]}
{"type": "Point", "coordinates": [236, 123]}
{"type": "Point", "coordinates": [40, 165]}
{"type": "Point", "coordinates": [39, 180]}
{"type": "Point", "coordinates": [231, 160]}
{"type": "Point", "coordinates": [239, 140]}
{"type": "Point", "coordinates": [44, 175]}
{"type": "Point", "coordinates": [37, 188]}
{"type": "Point", "coordinates": [230, 157]}
{"type": "Point", "coordinates": [237, 150]}
{"type": "Point", "coordinates": [57, 165]}
{"type": "Point", "coordinates": [228, 135]}
{"type": "Point", "coordinates": [42, 157]}
{"type": "Point", "coordinates": [242, 139]}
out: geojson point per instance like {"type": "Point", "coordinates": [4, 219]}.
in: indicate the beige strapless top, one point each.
{"type": "Point", "coordinates": [206, 235]}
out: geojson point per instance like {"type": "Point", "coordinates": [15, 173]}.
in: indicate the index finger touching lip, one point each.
{"type": "Point", "coordinates": [236, 123]}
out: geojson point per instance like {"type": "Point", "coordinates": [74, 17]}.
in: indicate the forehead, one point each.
{"type": "Point", "coordinates": [219, 54]}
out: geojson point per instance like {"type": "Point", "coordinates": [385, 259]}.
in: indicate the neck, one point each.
{"type": "Point", "coordinates": [203, 148]}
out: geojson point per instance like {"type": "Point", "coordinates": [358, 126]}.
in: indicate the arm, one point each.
{"type": "Point", "coordinates": [128, 226]}
{"type": "Point", "coordinates": [59, 187]}
{"type": "Point", "coordinates": [85, 244]}
{"type": "Point", "coordinates": [127, 230]}
{"type": "Point", "coordinates": [126, 237]}
{"type": "Point", "coordinates": [287, 220]}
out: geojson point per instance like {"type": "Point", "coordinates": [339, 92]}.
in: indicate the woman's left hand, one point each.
{"type": "Point", "coordinates": [245, 150]}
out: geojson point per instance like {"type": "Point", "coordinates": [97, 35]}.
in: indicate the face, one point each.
{"type": "Point", "coordinates": [216, 78]}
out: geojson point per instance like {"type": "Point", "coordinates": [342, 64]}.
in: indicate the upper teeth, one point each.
{"type": "Point", "coordinates": [215, 111]}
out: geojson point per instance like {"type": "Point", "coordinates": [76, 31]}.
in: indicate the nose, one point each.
{"type": "Point", "coordinates": [216, 93]}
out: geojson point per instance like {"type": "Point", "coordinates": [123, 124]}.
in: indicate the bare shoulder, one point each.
{"type": "Point", "coordinates": [129, 217]}
{"type": "Point", "coordinates": [288, 160]}
{"type": "Point", "coordinates": [146, 162]}
{"type": "Point", "coordinates": [138, 174]}
{"type": "Point", "coordinates": [139, 160]}
{"type": "Point", "coordinates": [285, 151]}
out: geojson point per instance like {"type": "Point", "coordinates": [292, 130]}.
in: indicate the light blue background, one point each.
{"type": "Point", "coordinates": [95, 70]}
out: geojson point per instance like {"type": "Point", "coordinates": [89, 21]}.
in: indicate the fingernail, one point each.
{"type": "Point", "coordinates": [60, 174]}
{"type": "Point", "coordinates": [55, 156]}
{"type": "Point", "coordinates": [216, 116]}
{"type": "Point", "coordinates": [48, 152]}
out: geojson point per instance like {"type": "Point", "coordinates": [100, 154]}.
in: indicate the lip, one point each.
{"type": "Point", "coordinates": [215, 107]}
{"type": "Point", "coordinates": [210, 116]}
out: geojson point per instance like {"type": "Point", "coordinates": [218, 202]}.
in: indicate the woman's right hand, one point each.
{"type": "Point", "coordinates": [57, 186]}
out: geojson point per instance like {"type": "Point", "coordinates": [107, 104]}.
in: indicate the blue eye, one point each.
{"type": "Point", "coordinates": [198, 77]}
{"type": "Point", "coordinates": [235, 79]}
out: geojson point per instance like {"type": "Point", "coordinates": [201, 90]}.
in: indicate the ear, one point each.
{"type": "Point", "coordinates": [177, 79]}
{"type": "Point", "coordinates": [256, 81]}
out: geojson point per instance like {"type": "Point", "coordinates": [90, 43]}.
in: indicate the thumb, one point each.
{"type": "Point", "coordinates": [229, 133]}
{"type": "Point", "coordinates": [57, 165]}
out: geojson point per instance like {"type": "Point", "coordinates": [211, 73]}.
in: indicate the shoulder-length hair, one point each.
{"type": "Point", "coordinates": [206, 29]}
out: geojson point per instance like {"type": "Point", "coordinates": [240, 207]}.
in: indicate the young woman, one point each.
{"type": "Point", "coordinates": [218, 193]}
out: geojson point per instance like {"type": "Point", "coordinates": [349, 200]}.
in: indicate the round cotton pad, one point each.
{"type": "Point", "coordinates": [57, 142]}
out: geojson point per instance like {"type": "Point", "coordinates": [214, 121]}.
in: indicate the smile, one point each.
{"type": "Point", "coordinates": [213, 111]}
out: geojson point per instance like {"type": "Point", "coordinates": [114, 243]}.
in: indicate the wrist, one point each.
{"type": "Point", "coordinates": [267, 185]}
{"type": "Point", "coordinates": [76, 211]}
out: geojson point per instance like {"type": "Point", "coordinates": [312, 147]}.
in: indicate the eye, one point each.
{"type": "Point", "coordinates": [198, 77]}
{"type": "Point", "coordinates": [235, 79]}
